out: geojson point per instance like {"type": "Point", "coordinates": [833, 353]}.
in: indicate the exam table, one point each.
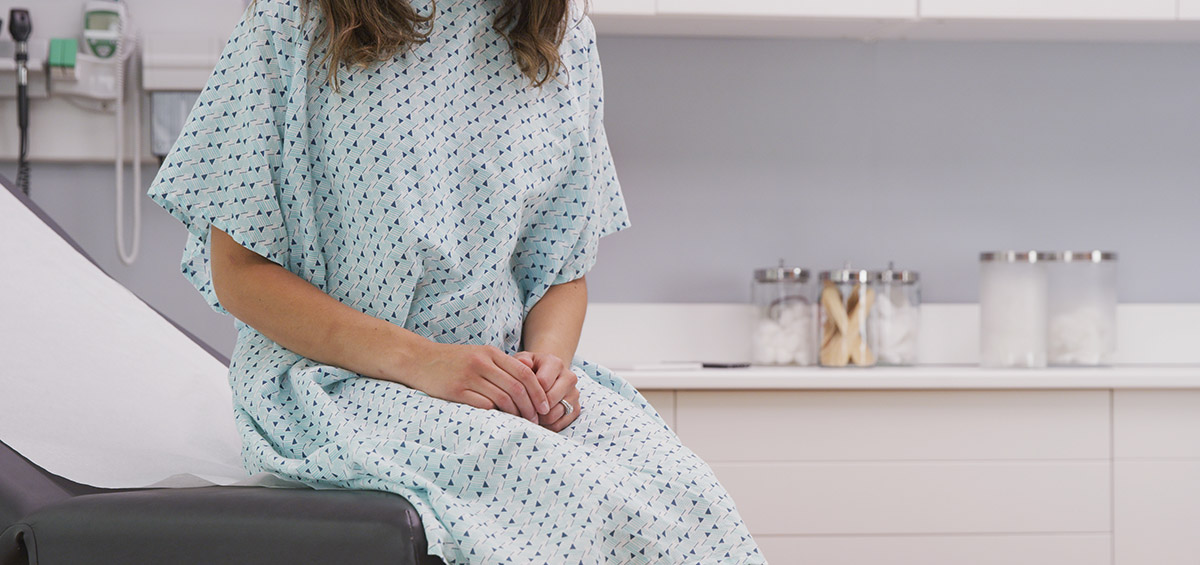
{"type": "Point", "coordinates": [47, 519]}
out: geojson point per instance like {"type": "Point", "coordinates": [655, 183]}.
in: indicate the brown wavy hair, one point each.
{"type": "Point", "coordinates": [359, 33]}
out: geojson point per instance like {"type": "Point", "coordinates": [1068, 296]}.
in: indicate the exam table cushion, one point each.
{"type": "Point", "coordinates": [229, 525]}
{"type": "Point", "coordinates": [47, 520]}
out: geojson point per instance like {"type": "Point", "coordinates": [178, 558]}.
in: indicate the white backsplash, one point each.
{"type": "Point", "coordinates": [620, 335]}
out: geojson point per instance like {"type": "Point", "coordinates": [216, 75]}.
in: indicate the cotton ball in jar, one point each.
{"type": "Point", "coordinates": [897, 324]}
{"type": "Point", "coordinates": [784, 334]}
{"type": "Point", "coordinates": [1083, 336]}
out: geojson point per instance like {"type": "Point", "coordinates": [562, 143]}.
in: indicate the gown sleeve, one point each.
{"type": "Point", "coordinates": [225, 168]}
{"type": "Point", "coordinates": [604, 206]}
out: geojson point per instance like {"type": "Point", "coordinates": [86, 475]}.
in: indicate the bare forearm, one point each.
{"type": "Point", "coordinates": [301, 317]}
{"type": "Point", "coordinates": [554, 324]}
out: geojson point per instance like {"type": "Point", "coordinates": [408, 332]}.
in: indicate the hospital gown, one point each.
{"type": "Point", "coordinates": [437, 190]}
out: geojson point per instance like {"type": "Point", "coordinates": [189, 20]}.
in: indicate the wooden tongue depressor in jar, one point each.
{"type": "Point", "coordinates": [846, 300]}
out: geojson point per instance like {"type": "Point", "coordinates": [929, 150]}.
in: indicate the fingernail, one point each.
{"type": "Point", "coordinates": [545, 407]}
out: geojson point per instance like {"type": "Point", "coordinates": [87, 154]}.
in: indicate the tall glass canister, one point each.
{"type": "Point", "coordinates": [1083, 308]}
{"type": "Point", "coordinates": [896, 319]}
{"type": "Point", "coordinates": [1013, 302]}
{"type": "Point", "coordinates": [847, 297]}
{"type": "Point", "coordinates": [785, 324]}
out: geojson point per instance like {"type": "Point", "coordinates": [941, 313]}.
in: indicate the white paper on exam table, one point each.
{"type": "Point", "coordinates": [95, 386]}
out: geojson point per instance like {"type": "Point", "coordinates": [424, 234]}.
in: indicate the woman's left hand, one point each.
{"type": "Point", "coordinates": [559, 382]}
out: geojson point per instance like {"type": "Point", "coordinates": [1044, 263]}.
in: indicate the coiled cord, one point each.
{"type": "Point", "coordinates": [23, 154]}
{"type": "Point", "coordinates": [124, 51]}
{"type": "Point", "coordinates": [23, 118]}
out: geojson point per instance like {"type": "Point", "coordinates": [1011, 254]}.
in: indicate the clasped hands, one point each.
{"type": "Point", "coordinates": [528, 384]}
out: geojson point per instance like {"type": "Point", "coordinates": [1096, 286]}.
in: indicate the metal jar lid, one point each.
{"type": "Point", "coordinates": [1017, 256]}
{"type": "Point", "coordinates": [782, 274]}
{"type": "Point", "coordinates": [1088, 256]}
{"type": "Point", "coordinates": [891, 275]}
{"type": "Point", "coordinates": [846, 276]}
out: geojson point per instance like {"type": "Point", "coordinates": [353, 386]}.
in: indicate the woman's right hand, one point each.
{"type": "Point", "coordinates": [482, 376]}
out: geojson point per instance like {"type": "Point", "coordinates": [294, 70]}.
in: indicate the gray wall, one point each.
{"type": "Point", "coordinates": [736, 152]}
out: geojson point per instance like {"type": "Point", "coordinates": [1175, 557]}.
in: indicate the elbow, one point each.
{"type": "Point", "coordinates": [224, 285]}
{"type": "Point", "coordinates": [225, 268]}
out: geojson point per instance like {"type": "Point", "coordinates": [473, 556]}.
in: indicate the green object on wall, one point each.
{"type": "Point", "coordinates": [62, 52]}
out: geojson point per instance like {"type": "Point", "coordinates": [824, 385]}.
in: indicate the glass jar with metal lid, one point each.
{"type": "Point", "coordinates": [1013, 302]}
{"type": "Point", "coordinates": [1083, 308]}
{"type": "Point", "coordinates": [785, 324]}
{"type": "Point", "coordinates": [847, 297]}
{"type": "Point", "coordinates": [895, 320]}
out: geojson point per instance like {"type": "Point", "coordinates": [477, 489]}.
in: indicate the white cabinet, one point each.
{"type": "Point", "coordinates": [1156, 445]}
{"type": "Point", "coordinates": [1074, 549]}
{"type": "Point", "coordinates": [1157, 512]}
{"type": "Point", "coordinates": [918, 476]}
{"type": "Point", "coordinates": [1189, 9]}
{"type": "Point", "coordinates": [996, 476]}
{"type": "Point", "coordinates": [664, 402]}
{"type": "Point", "coordinates": [621, 7]}
{"type": "Point", "coordinates": [792, 8]}
{"type": "Point", "coordinates": [796, 499]}
{"type": "Point", "coordinates": [873, 425]}
{"type": "Point", "coordinates": [1023, 20]}
{"type": "Point", "coordinates": [1051, 9]}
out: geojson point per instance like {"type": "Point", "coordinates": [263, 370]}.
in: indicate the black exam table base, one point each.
{"type": "Point", "coordinates": [48, 520]}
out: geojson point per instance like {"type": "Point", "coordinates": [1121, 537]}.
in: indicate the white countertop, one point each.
{"type": "Point", "coordinates": [918, 378]}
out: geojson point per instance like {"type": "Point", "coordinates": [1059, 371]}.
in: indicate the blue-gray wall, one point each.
{"type": "Point", "coordinates": [736, 152]}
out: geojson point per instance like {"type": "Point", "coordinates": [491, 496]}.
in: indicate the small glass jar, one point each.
{"type": "Point", "coordinates": [785, 325]}
{"type": "Point", "coordinates": [1013, 302]}
{"type": "Point", "coordinates": [847, 297]}
{"type": "Point", "coordinates": [1083, 309]}
{"type": "Point", "coordinates": [896, 318]}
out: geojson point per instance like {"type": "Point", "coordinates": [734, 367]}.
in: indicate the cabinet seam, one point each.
{"type": "Point", "coordinates": [1112, 476]}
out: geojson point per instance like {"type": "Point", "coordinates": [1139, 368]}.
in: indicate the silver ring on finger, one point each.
{"type": "Point", "coordinates": [568, 406]}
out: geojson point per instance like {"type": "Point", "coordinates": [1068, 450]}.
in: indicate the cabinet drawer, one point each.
{"type": "Point", "coordinates": [919, 498]}
{"type": "Point", "coordinates": [1156, 424]}
{"type": "Point", "coordinates": [664, 402]}
{"type": "Point", "coordinates": [1157, 512]}
{"type": "Point", "coordinates": [1075, 549]}
{"type": "Point", "coordinates": [893, 425]}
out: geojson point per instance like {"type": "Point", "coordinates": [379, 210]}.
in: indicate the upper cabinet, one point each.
{"type": "Point", "coordinates": [622, 7]}
{"type": "Point", "coordinates": [1039, 20]}
{"type": "Point", "coordinates": [1051, 9]}
{"type": "Point", "coordinates": [792, 8]}
{"type": "Point", "coordinates": [1189, 9]}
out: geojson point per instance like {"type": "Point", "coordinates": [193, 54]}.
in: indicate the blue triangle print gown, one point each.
{"type": "Point", "coordinates": [441, 192]}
